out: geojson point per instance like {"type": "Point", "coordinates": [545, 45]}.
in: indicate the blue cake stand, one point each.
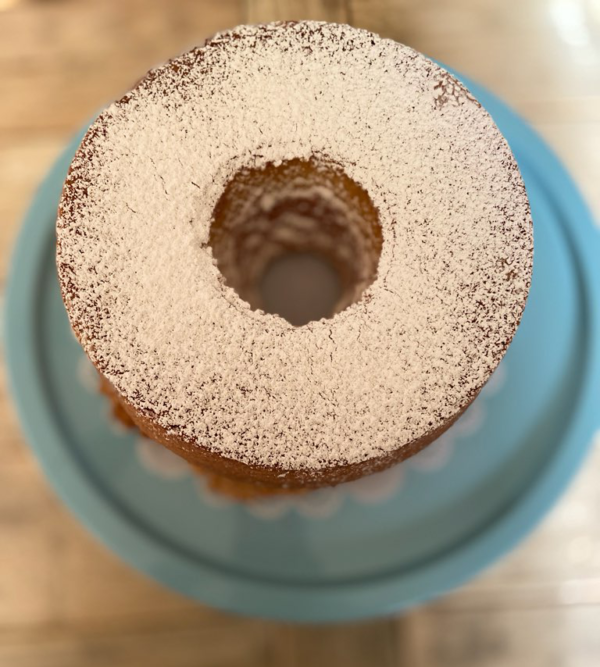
{"type": "Point", "coordinates": [362, 549]}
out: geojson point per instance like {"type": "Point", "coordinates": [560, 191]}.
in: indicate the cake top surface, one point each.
{"type": "Point", "coordinates": [150, 306]}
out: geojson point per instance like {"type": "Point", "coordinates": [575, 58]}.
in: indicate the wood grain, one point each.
{"type": "Point", "coordinates": [62, 60]}
{"type": "Point", "coordinates": [505, 638]}
{"type": "Point", "coordinates": [263, 11]}
{"type": "Point", "coordinates": [351, 645]}
{"type": "Point", "coordinates": [65, 601]}
{"type": "Point", "coordinates": [241, 644]}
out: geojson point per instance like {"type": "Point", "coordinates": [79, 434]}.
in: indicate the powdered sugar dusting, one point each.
{"type": "Point", "coordinates": [150, 306]}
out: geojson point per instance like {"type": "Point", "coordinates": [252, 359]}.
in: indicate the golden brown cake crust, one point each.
{"type": "Point", "coordinates": [244, 481]}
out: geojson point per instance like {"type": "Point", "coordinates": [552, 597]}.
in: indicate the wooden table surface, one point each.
{"type": "Point", "coordinates": [65, 601]}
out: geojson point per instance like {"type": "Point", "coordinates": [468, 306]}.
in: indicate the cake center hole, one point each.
{"type": "Point", "coordinates": [300, 287]}
{"type": "Point", "coordinates": [299, 239]}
